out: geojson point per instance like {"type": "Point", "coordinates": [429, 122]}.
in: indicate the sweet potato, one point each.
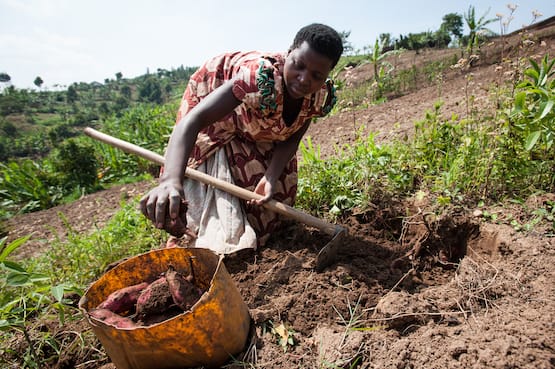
{"type": "Point", "coordinates": [155, 299]}
{"type": "Point", "coordinates": [113, 319]}
{"type": "Point", "coordinates": [184, 293]}
{"type": "Point", "coordinates": [178, 227]}
{"type": "Point", "coordinates": [124, 299]}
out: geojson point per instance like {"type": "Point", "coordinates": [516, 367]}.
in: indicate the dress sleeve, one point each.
{"type": "Point", "coordinates": [254, 85]}
{"type": "Point", "coordinates": [322, 102]}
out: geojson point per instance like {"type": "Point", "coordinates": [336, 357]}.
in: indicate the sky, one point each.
{"type": "Point", "coordinates": [67, 41]}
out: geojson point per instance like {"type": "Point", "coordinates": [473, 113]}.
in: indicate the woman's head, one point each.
{"type": "Point", "coordinates": [322, 39]}
{"type": "Point", "coordinates": [314, 53]}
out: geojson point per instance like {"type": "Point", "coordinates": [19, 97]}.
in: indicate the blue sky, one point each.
{"type": "Point", "coordinates": [66, 41]}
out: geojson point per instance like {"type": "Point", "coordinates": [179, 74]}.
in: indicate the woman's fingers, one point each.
{"type": "Point", "coordinates": [161, 209]}
{"type": "Point", "coordinates": [175, 203]}
{"type": "Point", "coordinates": [147, 205]}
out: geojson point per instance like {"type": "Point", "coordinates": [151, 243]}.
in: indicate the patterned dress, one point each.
{"type": "Point", "coordinates": [248, 134]}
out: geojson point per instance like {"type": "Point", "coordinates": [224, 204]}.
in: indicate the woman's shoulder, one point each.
{"type": "Point", "coordinates": [258, 76]}
{"type": "Point", "coordinates": [240, 58]}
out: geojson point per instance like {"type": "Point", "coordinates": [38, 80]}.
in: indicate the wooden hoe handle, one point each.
{"type": "Point", "coordinates": [240, 192]}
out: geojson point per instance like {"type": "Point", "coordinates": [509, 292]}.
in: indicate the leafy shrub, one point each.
{"type": "Point", "coordinates": [356, 175]}
{"type": "Point", "coordinates": [127, 233]}
{"type": "Point", "coordinates": [144, 125]}
{"type": "Point", "coordinates": [534, 112]}
{"type": "Point", "coordinates": [27, 186]}
{"type": "Point", "coordinates": [77, 165]}
{"type": "Point", "coordinates": [26, 294]}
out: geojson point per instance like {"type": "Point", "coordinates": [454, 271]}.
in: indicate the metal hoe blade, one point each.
{"type": "Point", "coordinates": [328, 253]}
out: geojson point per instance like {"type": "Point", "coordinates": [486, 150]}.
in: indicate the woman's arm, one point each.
{"type": "Point", "coordinates": [167, 195]}
{"type": "Point", "coordinates": [283, 152]}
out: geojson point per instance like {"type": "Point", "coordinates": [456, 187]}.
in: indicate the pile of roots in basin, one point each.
{"type": "Point", "coordinates": [145, 303]}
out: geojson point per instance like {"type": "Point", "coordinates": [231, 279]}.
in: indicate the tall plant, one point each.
{"type": "Point", "coordinates": [476, 26]}
{"type": "Point", "coordinates": [534, 112]}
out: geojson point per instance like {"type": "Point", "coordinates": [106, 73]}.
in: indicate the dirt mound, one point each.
{"type": "Point", "coordinates": [424, 292]}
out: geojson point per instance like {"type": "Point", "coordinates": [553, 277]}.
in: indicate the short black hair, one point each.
{"type": "Point", "coordinates": [323, 39]}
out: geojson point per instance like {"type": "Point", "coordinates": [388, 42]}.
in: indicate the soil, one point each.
{"type": "Point", "coordinates": [422, 292]}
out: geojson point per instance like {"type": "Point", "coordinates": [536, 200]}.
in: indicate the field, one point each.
{"type": "Point", "coordinates": [455, 291]}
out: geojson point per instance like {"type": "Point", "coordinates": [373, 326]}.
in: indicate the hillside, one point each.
{"type": "Point", "coordinates": [374, 308]}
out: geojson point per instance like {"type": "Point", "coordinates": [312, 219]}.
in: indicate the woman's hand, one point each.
{"type": "Point", "coordinates": [161, 202]}
{"type": "Point", "coordinates": [265, 188]}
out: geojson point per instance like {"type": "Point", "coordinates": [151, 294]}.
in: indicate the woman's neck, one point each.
{"type": "Point", "coordinates": [291, 108]}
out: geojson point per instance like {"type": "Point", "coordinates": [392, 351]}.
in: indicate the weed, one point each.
{"type": "Point", "coordinates": [284, 335]}
{"type": "Point", "coordinates": [27, 295]}
{"type": "Point", "coordinates": [534, 112]}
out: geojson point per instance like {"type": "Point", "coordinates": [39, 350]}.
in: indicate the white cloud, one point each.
{"type": "Point", "coordinates": [37, 8]}
{"type": "Point", "coordinates": [56, 58]}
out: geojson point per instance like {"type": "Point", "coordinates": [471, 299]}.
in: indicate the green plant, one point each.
{"type": "Point", "coordinates": [284, 335]}
{"type": "Point", "coordinates": [127, 233]}
{"type": "Point", "coordinates": [543, 214]}
{"type": "Point", "coordinates": [352, 322]}
{"type": "Point", "coordinates": [37, 290]}
{"type": "Point", "coordinates": [534, 113]}
{"type": "Point", "coordinates": [325, 184]}
{"type": "Point", "coordinates": [76, 165]}
{"type": "Point", "coordinates": [28, 295]}
{"type": "Point", "coordinates": [477, 27]}
{"type": "Point", "coordinates": [144, 125]}
{"type": "Point", "coordinates": [27, 186]}
{"type": "Point", "coordinates": [350, 179]}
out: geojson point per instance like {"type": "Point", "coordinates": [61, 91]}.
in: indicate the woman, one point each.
{"type": "Point", "coordinates": [241, 119]}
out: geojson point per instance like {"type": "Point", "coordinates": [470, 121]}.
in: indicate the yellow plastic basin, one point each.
{"type": "Point", "coordinates": [215, 328]}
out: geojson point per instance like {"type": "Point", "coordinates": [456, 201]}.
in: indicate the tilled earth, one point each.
{"type": "Point", "coordinates": [474, 295]}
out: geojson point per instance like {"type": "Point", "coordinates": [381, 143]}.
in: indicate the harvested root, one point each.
{"type": "Point", "coordinates": [184, 293]}
{"type": "Point", "coordinates": [145, 304]}
{"type": "Point", "coordinates": [154, 299]}
{"type": "Point", "coordinates": [113, 319]}
{"type": "Point", "coordinates": [124, 299]}
{"type": "Point", "coordinates": [178, 227]}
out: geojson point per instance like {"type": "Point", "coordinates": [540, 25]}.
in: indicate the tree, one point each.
{"type": "Point", "coordinates": [13, 100]}
{"type": "Point", "coordinates": [126, 91]}
{"type": "Point", "coordinates": [453, 24]}
{"type": "Point", "coordinates": [38, 82]}
{"type": "Point", "coordinates": [476, 27]}
{"type": "Point", "coordinates": [76, 164]}
{"type": "Point", "coordinates": [386, 41]}
{"type": "Point", "coordinates": [347, 46]}
{"type": "Point", "coordinates": [121, 103]}
{"type": "Point", "coordinates": [71, 94]}
{"type": "Point", "coordinates": [150, 90]}
{"type": "Point", "coordinates": [9, 129]}
{"type": "Point", "coordinates": [59, 133]}
{"type": "Point", "coordinates": [119, 76]}
{"type": "Point", "coordinates": [5, 77]}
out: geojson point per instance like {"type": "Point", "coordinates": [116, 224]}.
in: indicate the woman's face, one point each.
{"type": "Point", "coordinates": [305, 71]}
